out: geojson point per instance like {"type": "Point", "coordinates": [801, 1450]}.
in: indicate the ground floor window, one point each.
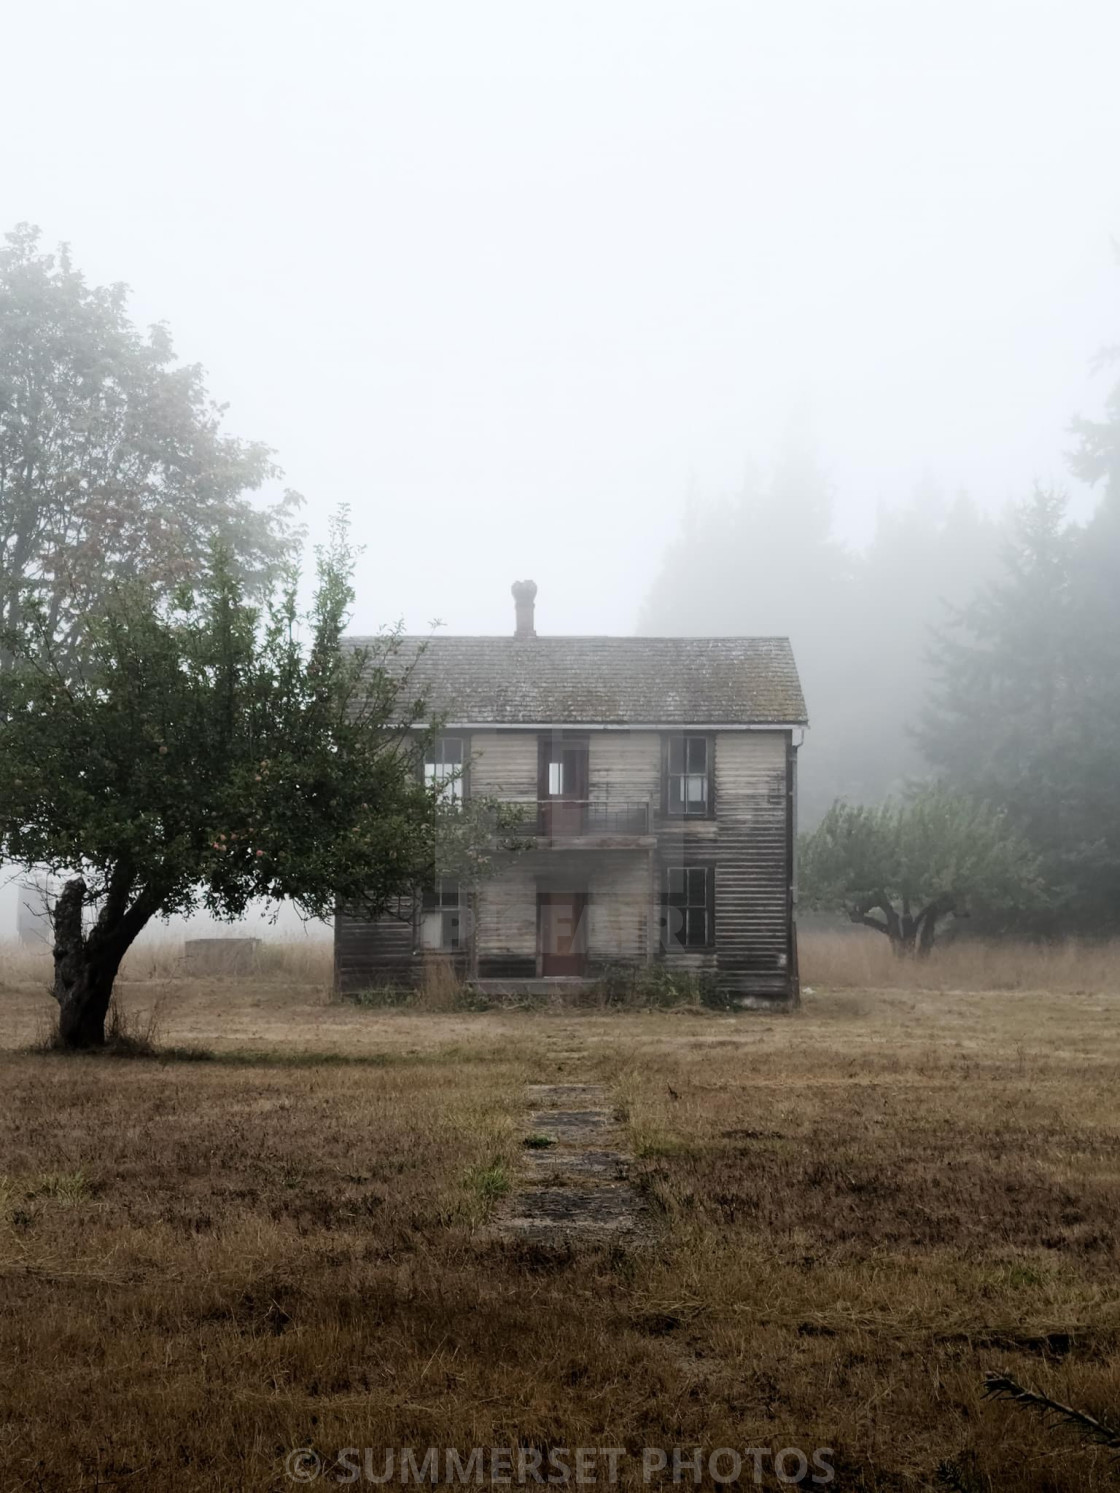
{"type": "Point", "coordinates": [688, 907]}
{"type": "Point", "coordinates": [443, 919]}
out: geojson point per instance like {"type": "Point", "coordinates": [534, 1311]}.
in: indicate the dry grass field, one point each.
{"type": "Point", "coordinates": [275, 1235]}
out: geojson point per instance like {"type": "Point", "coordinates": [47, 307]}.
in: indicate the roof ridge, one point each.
{"type": "Point", "coordinates": [748, 680]}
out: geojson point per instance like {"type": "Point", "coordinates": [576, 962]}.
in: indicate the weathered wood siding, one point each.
{"type": "Point", "coordinates": [625, 766]}
{"type": "Point", "coordinates": [753, 907]}
{"type": "Point", "coordinates": [748, 843]}
{"type": "Point", "coordinates": [622, 765]}
{"type": "Point", "coordinates": [619, 912]}
{"type": "Point", "coordinates": [506, 921]}
{"type": "Point", "coordinates": [504, 764]}
{"type": "Point", "coordinates": [747, 840]}
{"type": "Point", "coordinates": [374, 952]}
{"type": "Point", "coordinates": [621, 908]}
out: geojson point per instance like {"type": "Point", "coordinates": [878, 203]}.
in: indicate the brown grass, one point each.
{"type": "Point", "coordinates": [861, 959]}
{"type": "Point", "coordinates": [859, 1210]}
{"type": "Point", "coordinates": [847, 959]}
{"type": "Point", "coordinates": [308, 961]}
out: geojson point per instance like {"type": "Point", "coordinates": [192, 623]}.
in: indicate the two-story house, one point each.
{"type": "Point", "coordinates": [657, 782]}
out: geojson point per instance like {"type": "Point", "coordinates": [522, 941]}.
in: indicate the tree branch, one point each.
{"type": "Point", "coordinates": [855, 916]}
{"type": "Point", "coordinates": [1004, 1387]}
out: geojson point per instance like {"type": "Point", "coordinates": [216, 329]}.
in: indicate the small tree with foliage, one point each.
{"type": "Point", "coordinates": [212, 752]}
{"type": "Point", "coordinates": [903, 868]}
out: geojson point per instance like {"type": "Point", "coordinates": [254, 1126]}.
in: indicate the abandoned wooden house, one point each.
{"type": "Point", "coordinates": [658, 780]}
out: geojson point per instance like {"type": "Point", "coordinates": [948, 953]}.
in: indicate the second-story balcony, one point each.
{"type": "Point", "coordinates": [587, 822]}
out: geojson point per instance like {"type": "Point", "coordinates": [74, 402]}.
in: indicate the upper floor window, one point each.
{"type": "Point", "coordinates": [443, 767]}
{"type": "Point", "coordinates": [688, 787]}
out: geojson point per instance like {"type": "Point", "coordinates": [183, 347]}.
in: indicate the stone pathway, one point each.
{"type": "Point", "coordinates": [574, 1182]}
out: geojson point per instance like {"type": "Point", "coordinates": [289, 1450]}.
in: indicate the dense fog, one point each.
{"type": "Point", "coordinates": [516, 280]}
{"type": "Point", "coordinates": [719, 319]}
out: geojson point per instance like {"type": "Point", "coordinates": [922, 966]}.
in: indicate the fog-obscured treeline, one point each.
{"type": "Point", "coordinates": [766, 561]}
{"type": "Point", "coordinates": [981, 650]}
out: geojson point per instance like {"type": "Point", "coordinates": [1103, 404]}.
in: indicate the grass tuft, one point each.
{"type": "Point", "coordinates": [489, 1181]}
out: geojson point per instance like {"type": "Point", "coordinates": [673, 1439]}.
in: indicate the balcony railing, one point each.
{"type": "Point", "coordinates": [569, 819]}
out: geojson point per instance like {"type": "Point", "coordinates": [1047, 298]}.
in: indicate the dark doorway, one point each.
{"type": "Point", "coordinates": [562, 786]}
{"type": "Point", "coordinates": [562, 924]}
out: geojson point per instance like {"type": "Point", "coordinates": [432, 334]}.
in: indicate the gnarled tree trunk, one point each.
{"type": "Point", "coordinates": [86, 964]}
{"type": "Point", "coordinates": [911, 935]}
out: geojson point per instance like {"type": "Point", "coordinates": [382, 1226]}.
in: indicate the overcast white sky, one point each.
{"type": "Point", "coordinates": [505, 276]}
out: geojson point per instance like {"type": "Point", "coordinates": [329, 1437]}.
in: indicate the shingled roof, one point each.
{"type": "Point", "coordinates": [600, 681]}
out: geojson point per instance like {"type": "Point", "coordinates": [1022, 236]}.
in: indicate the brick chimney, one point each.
{"type": "Point", "coordinates": [524, 593]}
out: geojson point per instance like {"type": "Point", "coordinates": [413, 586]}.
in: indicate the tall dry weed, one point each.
{"type": "Point", "coordinates": [22, 965]}
{"type": "Point", "coordinates": [440, 987]}
{"type": "Point", "coordinates": [862, 960]}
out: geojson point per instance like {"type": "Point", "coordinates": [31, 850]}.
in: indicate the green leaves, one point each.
{"type": "Point", "coordinates": [214, 751]}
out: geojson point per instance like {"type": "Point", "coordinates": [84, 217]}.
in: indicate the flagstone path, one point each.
{"type": "Point", "coordinates": [574, 1184]}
